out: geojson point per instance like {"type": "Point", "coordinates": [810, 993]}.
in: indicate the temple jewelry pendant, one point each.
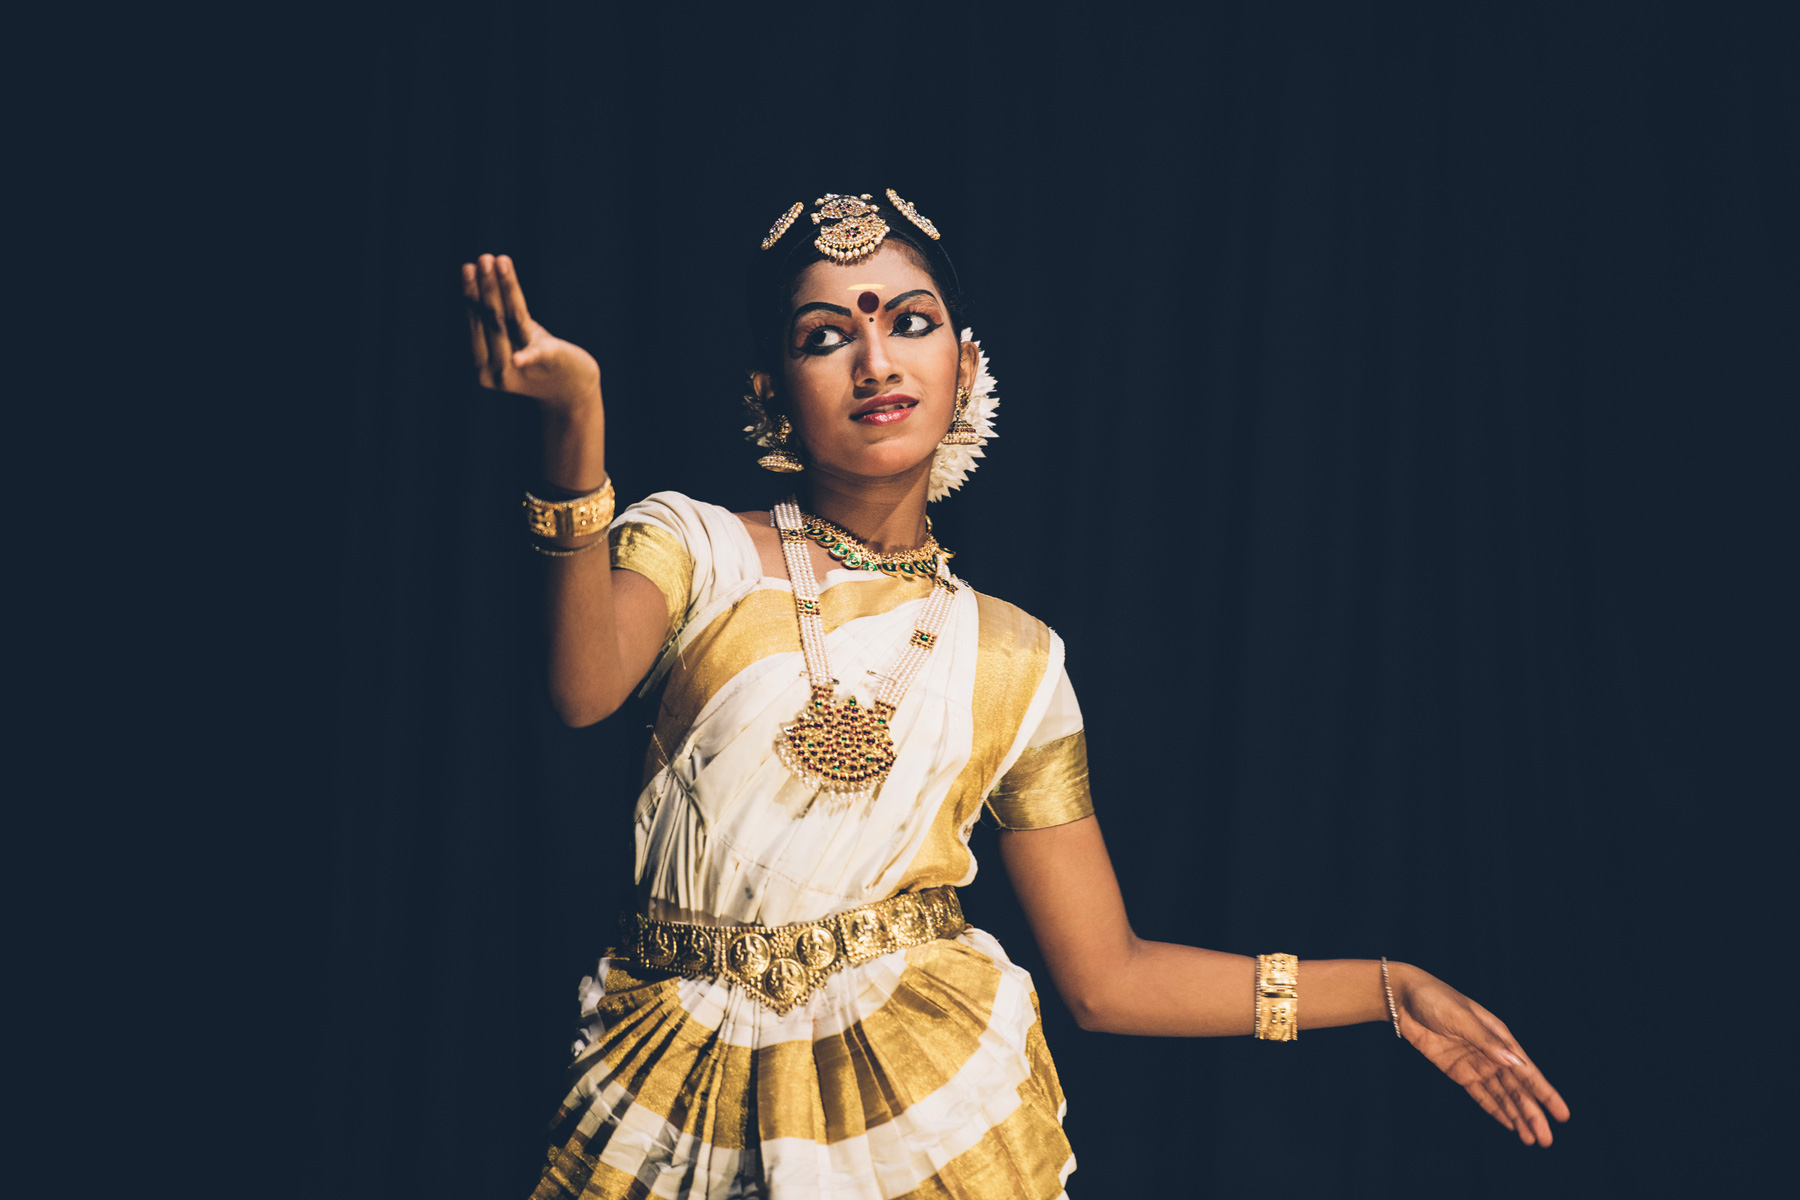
{"type": "Point", "coordinates": [843, 748]}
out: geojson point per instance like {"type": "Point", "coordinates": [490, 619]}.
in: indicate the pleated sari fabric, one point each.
{"type": "Point", "coordinates": [921, 1073]}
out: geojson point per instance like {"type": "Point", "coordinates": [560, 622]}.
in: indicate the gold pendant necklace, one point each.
{"type": "Point", "coordinates": [847, 749]}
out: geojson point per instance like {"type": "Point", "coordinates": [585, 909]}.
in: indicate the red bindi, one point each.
{"type": "Point", "coordinates": [867, 301]}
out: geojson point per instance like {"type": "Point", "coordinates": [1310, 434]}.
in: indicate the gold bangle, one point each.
{"type": "Point", "coordinates": [578, 517]}
{"type": "Point", "coordinates": [1277, 997]}
{"type": "Point", "coordinates": [545, 550]}
{"type": "Point", "coordinates": [1387, 989]}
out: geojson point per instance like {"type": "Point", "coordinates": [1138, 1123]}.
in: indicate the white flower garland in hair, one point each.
{"type": "Point", "coordinates": [950, 465]}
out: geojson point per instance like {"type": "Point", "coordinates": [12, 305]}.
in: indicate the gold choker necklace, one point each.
{"type": "Point", "coordinates": [918, 563]}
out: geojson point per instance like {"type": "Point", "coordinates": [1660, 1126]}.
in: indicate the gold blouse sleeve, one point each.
{"type": "Point", "coordinates": [1047, 786]}
{"type": "Point", "coordinates": [658, 556]}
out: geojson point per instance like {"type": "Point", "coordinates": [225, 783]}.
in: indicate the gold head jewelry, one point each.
{"type": "Point", "coordinates": [855, 231]}
{"type": "Point", "coordinates": [781, 226]}
{"type": "Point", "coordinates": [905, 209]}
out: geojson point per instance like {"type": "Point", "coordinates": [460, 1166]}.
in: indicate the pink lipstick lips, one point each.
{"type": "Point", "coordinates": [885, 410]}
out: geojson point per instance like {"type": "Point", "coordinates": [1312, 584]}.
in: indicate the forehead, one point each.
{"type": "Point", "coordinates": [888, 272]}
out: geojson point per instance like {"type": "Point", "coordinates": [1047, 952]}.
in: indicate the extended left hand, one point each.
{"type": "Point", "coordinates": [1475, 1048]}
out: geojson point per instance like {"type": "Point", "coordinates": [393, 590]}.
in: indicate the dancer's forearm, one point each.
{"type": "Point", "coordinates": [1185, 991]}
{"type": "Point", "coordinates": [1116, 982]}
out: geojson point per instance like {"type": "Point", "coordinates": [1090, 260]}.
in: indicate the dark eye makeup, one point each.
{"type": "Point", "coordinates": [913, 324]}
{"type": "Point", "coordinates": [828, 336]}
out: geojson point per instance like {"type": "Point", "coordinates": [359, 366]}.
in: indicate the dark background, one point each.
{"type": "Point", "coordinates": [1388, 398]}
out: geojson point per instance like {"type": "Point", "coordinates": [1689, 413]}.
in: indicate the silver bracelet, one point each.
{"type": "Point", "coordinates": [600, 541]}
{"type": "Point", "coordinates": [1393, 1013]}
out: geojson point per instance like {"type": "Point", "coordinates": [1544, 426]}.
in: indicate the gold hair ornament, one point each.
{"type": "Point", "coordinates": [782, 226]}
{"type": "Point", "coordinates": [905, 209]}
{"type": "Point", "coordinates": [855, 231]}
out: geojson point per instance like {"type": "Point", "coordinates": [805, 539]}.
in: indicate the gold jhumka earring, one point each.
{"type": "Point", "coordinates": [962, 433]}
{"type": "Point", "coordinates": [780, 458]}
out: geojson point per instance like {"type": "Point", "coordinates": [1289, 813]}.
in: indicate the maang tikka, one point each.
{"type": "Point", "coordinates": [855, 228]}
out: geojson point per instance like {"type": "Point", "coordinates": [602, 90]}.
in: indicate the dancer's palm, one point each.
{"type": "Point", "coordinates": [1475, 1049]}
{"type": "Point", "coordinates": [514, 353]}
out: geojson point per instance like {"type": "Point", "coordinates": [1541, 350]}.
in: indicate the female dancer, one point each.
{"type": "Point", "coordinates": [797, 1007]}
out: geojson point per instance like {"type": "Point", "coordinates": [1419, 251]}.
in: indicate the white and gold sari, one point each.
{"type": "Point", "coordinates": [922, 1072]}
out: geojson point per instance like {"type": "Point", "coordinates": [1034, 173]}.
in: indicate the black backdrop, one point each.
{"type": "Point", "coordinates": [1373, 385]}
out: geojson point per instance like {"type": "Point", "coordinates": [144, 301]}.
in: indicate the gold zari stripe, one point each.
{"type": "Point", "coordinates": [658, 556]}
{"type": "Point", "coordinates": [783, 964]}
{"type": "Point", "coordinates": [828, 1091]}
{"type": "Point", "coordinates": [760, 624]}
{"type": "Point", "coordinates": [1047, 786]}
{"type": "Point", "coordinates": [1011, 657]}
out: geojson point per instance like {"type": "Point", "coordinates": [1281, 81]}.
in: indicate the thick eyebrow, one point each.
{"type": "Point", "coordinates": [889, 306]}
{"type": "Point", "coordinates": [839, 309]}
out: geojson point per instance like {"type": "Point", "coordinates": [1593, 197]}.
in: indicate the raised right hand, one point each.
{"type": "Point", "coordinates": [514, 353]}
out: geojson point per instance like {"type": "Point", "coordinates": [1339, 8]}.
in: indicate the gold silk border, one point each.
{"type": "Point", "coordinates": [1009, 668]}
{"type": "Point", "coordinates": [828, 1090]}
{"type": "Point", "coordinates": [1024, 1155]}
{"type": "Point", "coordinates": [733, 1098]}
{"type": "Point", "coordinates": [761, 624]}
{"type": "Point", "coordinates": [658, 556]}
{"type": "Point", "coordinates": [1047, 786]}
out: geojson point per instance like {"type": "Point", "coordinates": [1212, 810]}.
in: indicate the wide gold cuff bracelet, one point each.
{"type": "Point", "coordinates": [579, 517]}
{"type": "Point", "coordinates": [1277, 997]}
{"type": "Point", "coordinates": [781, 965]}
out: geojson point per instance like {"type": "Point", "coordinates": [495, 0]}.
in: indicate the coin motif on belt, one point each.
{"type": "Point", "coordinates": [815, 947]}
{"type": "Point", "coordinates": [661, 945]}
{"type": "Point", "coordinates": [787, 980]}
{"type": "Point", "coordinates": [694, 946]}
{"type": "Point", "coordinates": [907, 918]}
{"type": "Point", "coordinates": [861, 931]}
{"type": "Point", "coordinates": [749, 955]}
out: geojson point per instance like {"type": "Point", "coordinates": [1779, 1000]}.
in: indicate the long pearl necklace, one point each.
{"type": "Point", "coordinates": [844, 748]}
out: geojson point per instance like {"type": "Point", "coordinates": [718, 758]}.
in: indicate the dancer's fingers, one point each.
{"type": "Point", "coordinates": [1523, 1069]}
{"type": "Point", "coordinates": [478, 349]}
{"type": "Point", "coordinates": [493, 317]}
{"type": "Point", "coordinates": [1532, 1114]}
{"type": "Point", "coordinates": [1498, 1092]}
{"type": "Point", "coordinates": [514, 297]}
{"type": "Point", "coordinates": [1478, 1092]}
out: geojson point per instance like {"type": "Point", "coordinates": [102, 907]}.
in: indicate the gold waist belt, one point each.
{"type": "Point", "coordinates": [781, 965]}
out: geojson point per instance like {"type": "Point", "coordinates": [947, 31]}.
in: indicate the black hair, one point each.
{"type": "Point", "coordinates": [769, 283]}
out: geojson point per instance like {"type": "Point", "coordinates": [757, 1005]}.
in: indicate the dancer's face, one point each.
{"type": "Point", "coordinates": [872, 365]}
